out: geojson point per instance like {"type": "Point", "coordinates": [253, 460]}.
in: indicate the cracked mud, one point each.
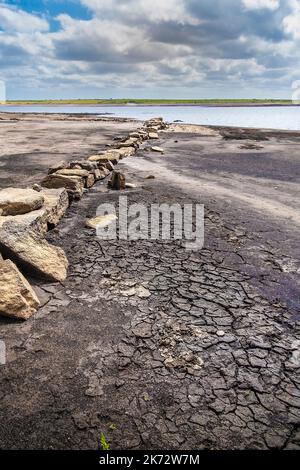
{"type": "Point", "coordinates": [156, 346]}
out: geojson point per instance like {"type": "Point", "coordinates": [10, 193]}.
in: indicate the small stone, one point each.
{"type": "Point", "coordinates": [37, 187]}
{"type": "Point", "coordinates": [80, 421]}
{"type": "Point", "coordinates": [143, 293]}
{"type": "Point", "coordinates": [100, 221]}
{"type": "Point", "coordinates": [157, 149]}
{"type": "Point", "coordinates": [220, 333]}
{"type": "Point", "coordinates": [200, 419]}
{"type": "Point", "coordinates": [130, 186]}
{"type": "Point", "coordinates": [119, 383]}
{"type": "Point", "coordinates": [129, 292]}
{"type": "Point", "coordinates": [143, 330]}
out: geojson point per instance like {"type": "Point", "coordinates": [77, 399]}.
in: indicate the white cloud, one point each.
{"type": "Point", "coordinates": [13, 20]}
{"type": "Point", "coordinates": [291, 23]}
{"type": "Point", "coordinates": [152, 44]}
{"type": "Point", "coordinates": [261, 4]}
{"type": "Point", "coordinates": [110, 42]}
{"type": "Point", "coordinates": [150, 10]}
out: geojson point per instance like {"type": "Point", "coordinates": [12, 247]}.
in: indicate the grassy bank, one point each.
{"type": "Point", "coordinates": [150, 102]}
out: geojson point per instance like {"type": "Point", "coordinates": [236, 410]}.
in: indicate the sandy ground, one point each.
{"type": "Point", "coordinates": [158, 347]}
{"type": "Point", "coordinates": [31, 143]}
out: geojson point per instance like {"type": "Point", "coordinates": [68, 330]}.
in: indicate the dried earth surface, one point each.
{"type": "Point", "coordinates": [153, 345]}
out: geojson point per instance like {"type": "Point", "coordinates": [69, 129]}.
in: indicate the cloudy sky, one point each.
{"type": "Point", "coordinates": [149, 48]}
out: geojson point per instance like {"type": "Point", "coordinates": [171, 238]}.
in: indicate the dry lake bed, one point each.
{"type": "Point", "coordinates": [153, 345]}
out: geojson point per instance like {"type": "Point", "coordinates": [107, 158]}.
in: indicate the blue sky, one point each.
{"type": "Point", "coordinates": [149, 48]}
{"type": "Point", "coordinates": [49, 9]}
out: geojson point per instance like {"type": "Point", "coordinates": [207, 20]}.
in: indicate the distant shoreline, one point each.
{"type": "Point", "coordinates": [14, 116]}
{"type": "Point", "coordinates": [159, 103]}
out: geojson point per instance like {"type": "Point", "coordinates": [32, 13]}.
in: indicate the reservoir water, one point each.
{"type": "Point", "coordinates": [269, 117]}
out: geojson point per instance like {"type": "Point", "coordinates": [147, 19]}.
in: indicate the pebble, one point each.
{"type": "Point", "coordinates": [220, 333]}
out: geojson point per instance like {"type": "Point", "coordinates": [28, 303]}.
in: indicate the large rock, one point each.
{"type": "Point", "coordinates": [15, 201]}
{"type": "Point", "coordinates": [159, 122]}
{"type": "Point", "coordinates": [126, 152]}
{"type": "Point", "coordinates": [104, 170]}
{"type": "Point", "coordinates": [154, 129]}
{"type": "Point", "coordinates": [56, 202]}
{"type": "Point", "coordinates": [109, 156]}
{"type": "Point", "coordinates": [73, 184]}
{"type": "Point", "coordinates": [90, 181]}
{"type": "Point", "coordinates": [153, 135]}
{"type": "Point", "coordinates": [89, 178]}
{"type": "Point", "coordinates": [17, 298]}
{"type": "Point", "coordinates": [117, 182]}
{"type": "Point", "coordinates": [73, 172]}
{"type": "Point", "coordinates": [136, 135]}
{"type": "Point", "coordinates": [57, 166]}
{"type": "Point", "coordinates": [35, 220]}
{"type": "Point", "coordinates": [110, 166]}
{"type": "Point", "coordinates": [29, 251]}
{"type": "Point", "coordinates": [55, 205]}
{"type": "Point", "coordinates": [143, 134]}
{"type": "Point", "coordinates": [155, 124]}
{"type": "Point", "coordinates": [100, 174]}
{"type": "Point", "coordinates": [83, 164]}
{"type": "Point", "coordinates": [131, 142]}
{"type": "Point", "coordinates": [113, 155]}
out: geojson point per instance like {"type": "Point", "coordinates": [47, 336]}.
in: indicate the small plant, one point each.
{"type": "Point", "coordinates": [112, 427]}
{"type": "Point", "coordinates": [104, 444]}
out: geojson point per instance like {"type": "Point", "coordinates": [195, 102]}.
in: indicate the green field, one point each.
{"type": "Point", "coordinates": [150, 102]}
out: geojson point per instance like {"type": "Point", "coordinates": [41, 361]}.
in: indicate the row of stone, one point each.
{"type": "Point", "coordinates": [77, 175]}
{"type": "Point", "coordinates": [27, 214]}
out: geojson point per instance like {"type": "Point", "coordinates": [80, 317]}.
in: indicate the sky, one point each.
{"type": "Point", "coordinates": [52, 49]}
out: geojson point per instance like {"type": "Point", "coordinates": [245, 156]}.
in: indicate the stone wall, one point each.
{"type": "Point", "coordinates": [27, 214]}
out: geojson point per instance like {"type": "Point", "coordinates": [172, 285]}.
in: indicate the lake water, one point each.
{"type": "Point", "coordinates": [275, 117]}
